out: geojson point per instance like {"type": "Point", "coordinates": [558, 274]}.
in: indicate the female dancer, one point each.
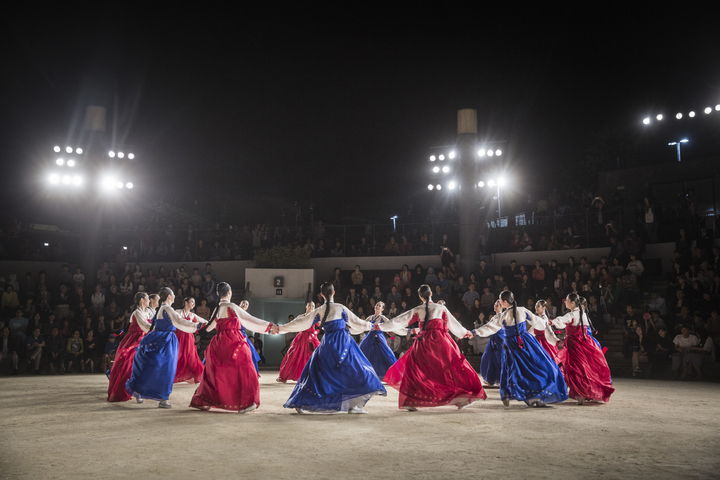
{"type": "Point", "coordinates": [546, 336]}
{"type": "Point", "coordinates": [229, 381]}
{"type": "Point", "coordinates": [189, 365]}
{"type": "Point", "coordinates": [125, 354]}
{"type": "Point", "coordinates": [375, 346]}
{"type": "Point", "coordinates": [491, 359]}
{"type": "Point", "coordinates": [244, 305]}
{"type": "Point", "coordinates": [338, 377]}
{"type": "Point", "coordinates": [155, 361]}
{"type": "Point", "coordinates": [527, 373]}
{"type": "Point", "coordinates": [153, 304]}
{"type": "Point", "coordinates": [300, 350]}
{"type": "Point", "coordinates": [433, 371]}
{"type": "Point", "coordinates": [586, 370]}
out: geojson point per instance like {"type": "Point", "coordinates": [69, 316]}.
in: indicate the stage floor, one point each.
{"type": "Point", "coordinates": [62, 427]}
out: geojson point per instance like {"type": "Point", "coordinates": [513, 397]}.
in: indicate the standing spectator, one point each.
{"type": "Point", "coordinates": [78, 278]}
{"type": "Point", "coordinates": [684, 343]}
{"type": "Point", "coordinates": [56, 350]}
{"type": "Point", "coordinates": [649, 222]}
{"type": "Point", "coordinates": [90, 348]}
{"type": "Point", "coordinates": [35, 345]}
{"type": "Point", "coordinates": [538, 277]}
{"type": "Point", "coordinates": [8, 349]}
{"type": "Point", "coordinates": [97, 300]}
{"type": "Point", "coordinates": [357, 277]}
{"type": "Point", "coordinates": [74, 350]}
{"type": "Point", "coordinates": [208, 289]}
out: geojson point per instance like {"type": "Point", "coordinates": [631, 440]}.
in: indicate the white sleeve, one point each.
{"type": "Point", "coordinates": [535, 321]}
{"type": "Point", "coordinates": [550, 332]}
{"type": "Point", "coordinates": [560, 322]}
{"type": "Point", "coordinates": [177, 320]}
{"type": "Point", "coordinates": [387, 325]}
{"type": "Point", "coordinates": [198, 318]}
{"type": "Point", "coordinates": [142, 321]}
{"type": "Point", "coordinates": [251, 323]}
{"type": "Point", "coordinates": [491, 327]}
{"type": "Point", "coordinates": [357, 325]}
{"type": "Point", "coordinates": [301, 322]}
{"type": "Point", "coordinates": [454, 326]}
{"type": "Point", "coordinates": [399, 323]}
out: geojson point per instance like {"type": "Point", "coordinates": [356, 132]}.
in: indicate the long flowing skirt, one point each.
{"type": "Point", "coordinates": [586, 369]}
{"type": "Point", "coordinates": [434, 372]}
{"type": "Point", "coordinates": [527, 371]}
{"type": "Point", "coordinates": [229, 380]}
{"type": "Point", "coordinates": [122, 366]}
{"type": "Point", "coordinates": [551, 349]}
{"type": "Point", "coordinates": [337, 378]}
{"type": "Point", "coordinates": [491, 359]}
{"type": "Point", "coordinates": [154, 366]}
{"type": "Point", "coordinates": [189, 366]}
{"type": "Point", "coordinates": [297, 356]}
{"type": "Point", "coordinates": [377, 351]}
{"type": "Point", "coordinates": [253, 352]}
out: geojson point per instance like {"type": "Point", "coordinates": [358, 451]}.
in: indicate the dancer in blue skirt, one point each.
{"type": "Point", "coordinates": [491, 359]}
{"type": "Point", "coordinates": [155, 361]}
{"type": "Point", "coordinates": [338, 377]}
{"type": "Point", "coordinates": [527, 372]}
{"type": "Point", "coordinates": [375, 346]}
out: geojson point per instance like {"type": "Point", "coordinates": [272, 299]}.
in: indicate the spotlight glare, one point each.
{"type": "Point", "coordinates": [498, 152]}
{"type": "Point", "coordinates": [684, 140]}
{"type": "Point", "coordinates": [438, 187]}
{"type": "Point", "coordinates": [491, 183]}
{"type": "Point", "coordinates": [717, 107]}
{"type": "Point", "coordinates": [502, 181]}
{"type": "Point", "coordinates": [107, 182]}
{"type": "Point", "coordinates": [678, 115]}
{"type": "Point", "coordinates": [691, 114]}
{"type": "Point", "coordinates": [68, 149]}
{"type": "Point", "coordinates": [121, 155]}
{"type": "Point", "coordinates": [452, 185]}
{"type": "Point", "coordinates": [60, 162]}
{"type": "Point", "coordinates": [431, 187]}
{"type": "Point", "coordinates": [646, 121]}
{"type": "Point", "coordinates": [71, 163]}
{"type": "Point", "coordinates": [66, 179]}
{"type": "Point", "coordinates": [708, 110]}
{"type": "Point", "coordinates": [451, 155]}
{"type": "Point", "coordinates": [490, 153]}
{"type": "Point", "coordinates": [481, 152]}
{"type": "Point", "coordinates": [131, 156]}
{"type": "Point", "coordinates": [659, 117]}
{"type": "Point", "coordinates": [46, 244]}
{"type": "Point", "coordinates": [53, 179]}
{"type": "Point", "coordinates": [432, 158]}
{"type": "Point", "coordinates": [119, 185]}
{"type": "Point", "coordinates": [441, 157]}
{"type": "Point", "coordinates": [111, 154]}
{"type": "Point", "coordinates": [446, 169]}
{"type": "Point", "coordinates": [436, 169]}
{"type": "Point", "coordinates": [79, 151]}
{"type": "Point", "coordinates": [129, 185]}
{"type": "Point", "coordinates": [56, 149]}
{"type": "Point", "coordinates": [481, 184]}
{"type": "Point", "coordinates": [77, 180]}
{"type": "Point", "coordinates": [124, 247]}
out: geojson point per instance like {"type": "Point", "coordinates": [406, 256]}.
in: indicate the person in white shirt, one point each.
{"type": "Point", "coordinates": [338, 377]}
{"type": "Point", "coordinates": [528, 374]}
{"type": "Point", "coordinates": [685, 344]}
{"type": "Point", "coordinates": [433, 372]}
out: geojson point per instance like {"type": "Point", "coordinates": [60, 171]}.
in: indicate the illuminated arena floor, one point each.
{"type": "Point", "coordinates": [61, 427]}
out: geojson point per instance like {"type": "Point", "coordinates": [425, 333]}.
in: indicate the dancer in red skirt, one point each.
{"type": "Point", "coordinates": [229, 381]}
{"type": "Point", "coordinates": [122, 366]}
{"type": "Point", "coordinates": [300, 351]}
{"type": "Point", "coordinates": [189, 365]}
{"type": "Point", "coordinates": [433, 371]}
{"type": "Point", "coordinates": [546, 337]}
{"type": "Point", "coordinates": [586, 370]}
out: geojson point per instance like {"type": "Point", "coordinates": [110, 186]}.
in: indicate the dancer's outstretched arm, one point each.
{"type": "Point", "coordinates": [399, 323]}
{"type": "Point", "coordinates": [562, 321]}
{"type": "Point", "coordinates": [455, 326]}
{"type": "Point", "coordinates": [491, 327]}
{"type": "Point", "coordinates": [357, 325]}
{"type": "Point", "coordinates": [251, 323]}
{"type": "Point", "coordinates": [177, 320]}
{"type": "Point", "coordinates": [301, 322]}
{"type": "Point", "coordinates": [142, 320]}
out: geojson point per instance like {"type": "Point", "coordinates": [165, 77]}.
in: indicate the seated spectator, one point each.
{"type": "Point", "coordinates": [56, 350]}
{"type": "Point", "coordinates": [35, 344]}
{"type": "Point", "coordinates": [683, 358]}
{"type": "Point", "coordinates": [357, 277]}
{"type": "Point", "coordinates": [74, 351]}
{"type": "Point", "coordinates": [470, 296]}
{"type": "Point", "coordinates": [110, 348]}
{"type": "Point", "coordinates": [8, 350]}
{"type": "Point", "coordinates": [91, 349]}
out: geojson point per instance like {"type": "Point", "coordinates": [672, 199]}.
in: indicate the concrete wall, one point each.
{"type": "Point", "coordinates": [324, 267]}
{"type": "Point", "coordinates": [296, 282]}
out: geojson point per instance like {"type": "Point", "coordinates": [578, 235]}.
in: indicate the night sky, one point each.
{"type": "Point", "coordinates": [343, 112]}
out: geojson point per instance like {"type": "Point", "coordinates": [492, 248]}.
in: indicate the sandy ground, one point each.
{"type": "Point", "coordinates": [61, 427]}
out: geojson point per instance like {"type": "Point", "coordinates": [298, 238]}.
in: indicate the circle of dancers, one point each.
{"type": "Point", "coordinates": [523, 356]}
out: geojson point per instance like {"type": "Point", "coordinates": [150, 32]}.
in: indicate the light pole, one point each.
{"type": "Point", "coordinates": [677, 146]}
